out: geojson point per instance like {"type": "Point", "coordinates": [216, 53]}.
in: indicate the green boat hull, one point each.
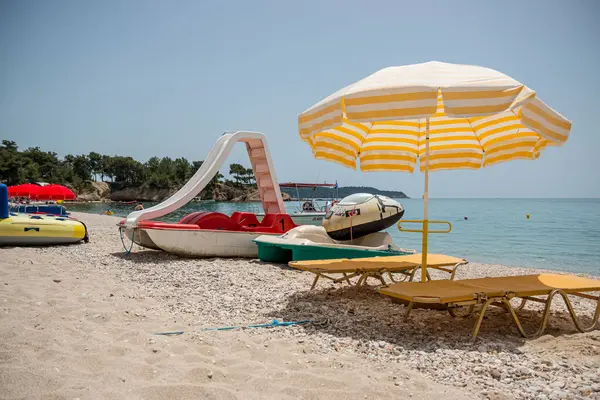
{"type": "Point", "coordinates": [284, 253]}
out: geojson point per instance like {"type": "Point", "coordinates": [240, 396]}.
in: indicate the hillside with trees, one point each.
{"type": "Point", "coordinates": [124, 178]}
{"type": "Point", "coordinates": [80, 171]}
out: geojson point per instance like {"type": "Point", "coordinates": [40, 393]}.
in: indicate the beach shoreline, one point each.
{"type": "Point", "coordinates": [78, 322]}
{"type": "Point", "coordinates": [559, 235]}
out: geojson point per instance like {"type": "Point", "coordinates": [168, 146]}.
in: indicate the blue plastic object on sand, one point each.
{"type": "Point", "coordinates": [3, 201]}
{"type": "Point", "coordinates": [272, 324]}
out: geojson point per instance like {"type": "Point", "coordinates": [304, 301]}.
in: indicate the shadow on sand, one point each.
{"type": "Point", "coordinates": [371, 318]}
{"type": "Point", "coordinates": [161, 257]}
{"type": "Point", "coordinates": [147, 257]}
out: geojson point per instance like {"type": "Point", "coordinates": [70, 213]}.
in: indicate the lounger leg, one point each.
{"type": "Point", "coordinates": [364, 277]}
{"type": "Point", "coordinates": [453, 273]}
{"type": "Point", "coordinates": [347, 279]}
{"type": "Point", "coordinates": [576, 321]}
{"type": "Point", "coordinates": [515, 318]}
{"type": "Point", "coordinates": [412, 275]}
{"type": "Point", "coordinates": [315, 281]}
{"type": "Point", "coordinates": [408, 310]}
{"type": "Point", "coordinates": [455, 269]}
{"type": "Point", "coordinates": [361, 280]}
{"type": "Point", "coordinates": [505, 303]}
{"type": "Point", "coordinates": [522, 305]}
{"type": "Point", "coordinates": [406, 276]}
{"type": "Point", "coordinates": [480, 318]}
{"type": "Point", "coordinates": [546, 315]}
{"type": "Point", "coordinates": [454, 314]}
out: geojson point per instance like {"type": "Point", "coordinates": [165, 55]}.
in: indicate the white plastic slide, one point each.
{"type": "Point", "coordinates": [262, 165]}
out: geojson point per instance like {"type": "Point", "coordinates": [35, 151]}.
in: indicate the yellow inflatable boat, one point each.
{"type": "Point", "coordinates": [28, 229]}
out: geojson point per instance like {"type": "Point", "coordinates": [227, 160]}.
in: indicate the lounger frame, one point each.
{"type": "Point", "coordinates": [408, 273]}
{"type": "Point", "coordinates": [504, 302]}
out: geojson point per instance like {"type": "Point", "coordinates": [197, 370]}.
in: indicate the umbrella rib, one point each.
{"type": "Point", "coordinates": [478, 141]}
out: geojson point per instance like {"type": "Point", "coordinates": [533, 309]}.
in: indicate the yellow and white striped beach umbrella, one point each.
{"type": "Point", "coordinates": [448, 116]}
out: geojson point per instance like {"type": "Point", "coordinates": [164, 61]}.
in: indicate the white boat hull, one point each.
{"type": "Point", "coordinates": [205, 243]}
{"type": "Point", "coordinates": [307, 218]}
{"type": "Point", "coordinates": [140, 237]}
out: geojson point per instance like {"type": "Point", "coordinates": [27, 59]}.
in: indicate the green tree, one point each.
{"type": "Point", "coordinates": [31, 171]}
{"type": "Point", "coordinates": [11, 164]}
{"type": "Point", "coordinates": [95, 162]}
{"type": "Point", "coordinates": [193, 168]}
{"type": "Point", "coordinates": [242, 176]}
{"type": "Point", "coordinates": [33, 164]}
{"type": "Point", "coordinates": [153, 165]}
{"type": "Point", "coordinates": [127, 170]}
{"type": "Point", "coordinates": [107, 168]}
{"type": "Point", "coordinates": [182, 169]}
{"type": "Point", "coordinates": [160, 172]}
{"type": "Point", "coordinates": [48, 164]}
{"type": "Point", "coordinates": [82, 168]}
{"type": "Point", "coordinates": [238, 172]}
{"type": "Point", "coordinates": [66, 172]}
{"type": "Point", "coordinates": [166, 168]}
{"type": "Point", "coordinates": [249, 177]}
{"type": "Point", "coordinates": [10, 146]}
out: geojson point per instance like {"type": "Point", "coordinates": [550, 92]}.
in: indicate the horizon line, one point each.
{"type": "Point", "coordinates": [508, 198]}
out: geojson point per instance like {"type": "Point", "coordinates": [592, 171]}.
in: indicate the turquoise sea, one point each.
{"type": "Point", "coordinates": [562, 234]}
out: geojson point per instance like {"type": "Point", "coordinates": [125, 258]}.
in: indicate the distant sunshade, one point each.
{"type": "Point", "coordinates": [28, 190]}
{"type": "Point", "coordinates": [55, 192]}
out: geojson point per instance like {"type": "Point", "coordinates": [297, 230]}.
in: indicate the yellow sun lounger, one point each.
{"type": "Point", "coordinates": [376, 267]}
{"type": "Point", "coordinates": [499, 291]}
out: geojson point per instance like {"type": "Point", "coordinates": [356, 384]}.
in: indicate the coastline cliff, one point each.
{"type": "Point", "coordinates": [222, 191]}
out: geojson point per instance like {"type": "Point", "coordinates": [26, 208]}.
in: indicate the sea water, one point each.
{"type": "Point", "coordinates": [561, 234]}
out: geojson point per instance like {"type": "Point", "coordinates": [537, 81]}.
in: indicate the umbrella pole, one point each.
{"type": "Point", "coordinates": [426, 206]}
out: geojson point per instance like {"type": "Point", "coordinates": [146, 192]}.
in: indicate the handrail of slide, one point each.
{"type": "Point", "coordinates": [209, 168]}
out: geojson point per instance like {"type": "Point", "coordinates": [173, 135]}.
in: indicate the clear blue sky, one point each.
{"type": "Point", "coordinates": [145, 78]}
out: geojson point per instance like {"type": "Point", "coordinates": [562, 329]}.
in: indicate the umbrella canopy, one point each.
{"type": "Point", "coordinates": [448, 116]}
{"type": "Point", "coordinates": [56, 192]}
{"type": "Point", "coordinates": [28, 190]}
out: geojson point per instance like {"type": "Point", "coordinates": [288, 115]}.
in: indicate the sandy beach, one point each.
{"type": "Point", "coordinates": [79, 322]}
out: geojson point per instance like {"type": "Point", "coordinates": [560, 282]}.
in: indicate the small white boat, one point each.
{"type": "Point", "coordinates": [313, 243]}
{"type": "Point", "coordinates": [303, 218]}
{"type": "Point", "coordinates": [360, 214]}
{"type": "Point", "coordinates": [308, 218]}
{"type": "Point", "coordinates": [310, 212]}
{"type": "Point", "coordinates": [209, 234]}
